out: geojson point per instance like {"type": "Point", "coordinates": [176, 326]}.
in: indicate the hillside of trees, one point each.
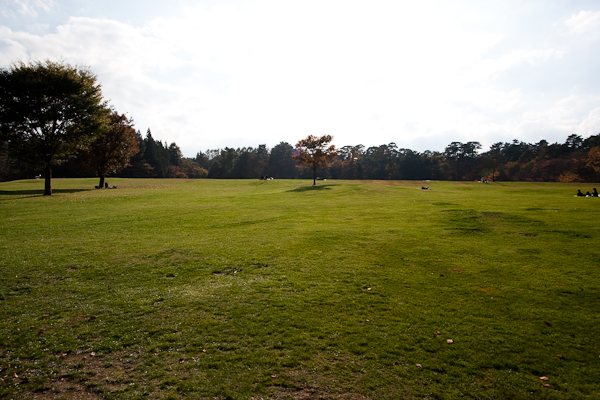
{"type": "Point", "coordinates": [575, 160]}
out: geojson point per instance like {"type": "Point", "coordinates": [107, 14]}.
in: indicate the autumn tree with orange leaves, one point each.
{"type": "Point", "coordinates": [593, 158]}
{"type": "Point", "coordinates": [112, 151]}
{"type": "Point", "coordinates": [314, 153]}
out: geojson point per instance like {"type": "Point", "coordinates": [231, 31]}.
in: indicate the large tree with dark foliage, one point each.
{"type": "Point", "coordinates": [462, 160]}
{"type": "Point", "coordinates": [49, 111]}
{"type": "Point", "coordinates": [281, 163]}
{"type": "Point", "coordinates": [112, 151]}
{"type": "Point", "coordinates": [314, 152]}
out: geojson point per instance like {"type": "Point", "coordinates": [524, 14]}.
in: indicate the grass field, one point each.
{"type": "Point", "coordinates": [230, 289]}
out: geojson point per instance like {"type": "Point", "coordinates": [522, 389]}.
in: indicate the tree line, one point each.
{"type": "Point", "coordinates": [575, 160]}
{"type": "Point", "coordinates": [53, 120]}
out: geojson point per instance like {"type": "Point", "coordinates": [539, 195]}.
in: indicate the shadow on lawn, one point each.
{"type": "Point", "coordinates": [308, 188]}
{"type": "Point", "coordinates": [37, 193]}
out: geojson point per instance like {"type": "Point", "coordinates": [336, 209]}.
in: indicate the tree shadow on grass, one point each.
{"type": "Point", "coordinates": [309, 188]}
{"type": "Point", "coordinates": [36, 192]}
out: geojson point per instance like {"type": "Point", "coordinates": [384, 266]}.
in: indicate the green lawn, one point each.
{"type": "Point", "coordinates": [241, 289]}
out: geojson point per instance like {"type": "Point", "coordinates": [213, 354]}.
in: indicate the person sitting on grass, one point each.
{"type": "Point", "coordinates": [579, 194]}
{"type": "Point", "coordinates": [594, 193]}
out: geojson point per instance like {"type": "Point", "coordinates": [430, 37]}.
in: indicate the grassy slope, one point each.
{"type": "Point", "coordinates": [234, 289]}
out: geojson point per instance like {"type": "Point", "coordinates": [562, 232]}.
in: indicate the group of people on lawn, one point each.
{"type": "Point", "coordinates": [588, 194]}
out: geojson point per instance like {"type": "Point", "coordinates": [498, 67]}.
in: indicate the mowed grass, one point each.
{"type": "Point", "coordinates": [240, 289]}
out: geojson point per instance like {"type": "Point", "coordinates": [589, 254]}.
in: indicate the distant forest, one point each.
{"type": "Point", "coordinates": [575, 160]}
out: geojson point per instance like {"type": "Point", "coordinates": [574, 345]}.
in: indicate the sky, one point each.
{"type": "Point", "coordinates": [422, 74]}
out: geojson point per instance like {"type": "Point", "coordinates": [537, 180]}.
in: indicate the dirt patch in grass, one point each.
{"type": "Point", "coordinates": [79, 376]}
{"type": "Point", "coordinates": [487, 290]}
{"type": "Point", "coordinates": [62, 389]}
{"type": "Point", "coordinates": [311, 393]}
{"type": "Point", "coordinates": [458, 270]}
{"type": "Point", "coordinates": [303, 385]}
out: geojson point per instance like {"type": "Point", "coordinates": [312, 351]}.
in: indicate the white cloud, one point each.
{"type": "Point", "coordinates": [585, 24]}
{"type": "Point", "coordinates": [14, 8]}
{"type": "Point", "coordinates": [565, 116]}
{"type": "Point", "coordinates": [591, 124]}
{"type": "Point", "coordinates": [487, 68]}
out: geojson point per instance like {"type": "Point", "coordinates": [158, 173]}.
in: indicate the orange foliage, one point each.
{"type": "Point", "coordinates": [568, 177]}
{"type": "Point", "coordinates": [593, 158]}
{"type": "Point", "coordinates": [313, 152]}
{"type": "Point", "coordinates": [174, 171]}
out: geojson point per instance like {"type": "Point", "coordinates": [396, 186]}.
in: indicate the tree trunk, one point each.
{"type": "Point", "coordinates": [47, 180]}
{"type": "Point", "coordinates": [314, 175]}
{"type": "Point", "coordinates": [101, 182]}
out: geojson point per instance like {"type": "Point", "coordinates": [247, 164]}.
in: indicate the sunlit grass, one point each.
{"type": "Point", "coordinates": [275, 289]}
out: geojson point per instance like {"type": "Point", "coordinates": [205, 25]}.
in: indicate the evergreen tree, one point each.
{"type": "Point", "coordinates": [154, 155]}
{"type": "Point", "coordinates": [281, 164]}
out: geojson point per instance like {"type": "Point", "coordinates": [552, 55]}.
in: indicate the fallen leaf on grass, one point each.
{"type": "Point", "coordinates": [93, 353]}
{"type": "Point", "coordinates": [204, 350]}
{"type": "Point", "coordinates": [559, 356]}
{"type": "Point", "coordinates": [273, 376]}
{"type": "Point", "coordinates": [419, 366]}
{"type": "Point", "coordinates": [368, 288]}
{"type": "Point", "coordinates": [437, 334]}
{"type": "Point", "coordinates": [548, 323]}
{"type": "Point", "coordinates": [181, 361]}
{"type": "Point", "coordinates": [16, 376]}
{"type": "Point", "coordinates": [449, 341]}
{"type": "Point", "coordinates": [544, 378]}
{"type": "Point", "coordinates": [547, 385]}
